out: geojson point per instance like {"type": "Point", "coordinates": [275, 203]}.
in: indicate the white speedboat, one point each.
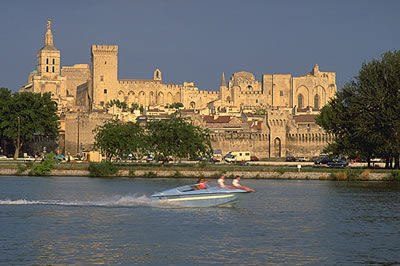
{"type": "Point", "coordinates": [188, 196]}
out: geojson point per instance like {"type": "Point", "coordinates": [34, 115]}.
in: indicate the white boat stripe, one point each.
{"type": "Point", "coordinates": [197, 198]}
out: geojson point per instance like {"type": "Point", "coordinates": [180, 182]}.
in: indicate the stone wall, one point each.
{"type": "Point", "coordinates": [86, 122]}
{"type": "Point", "coordinates": [76, 75]}
{"type": "Point", "coordinates": [256, 143]}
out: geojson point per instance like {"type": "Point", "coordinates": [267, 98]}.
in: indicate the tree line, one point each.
{"type": "Point", "coordinates": [175, 137]}
{"type": "Point", "coordinates": [26, 115]}
{"type": "Point", "coordinates": [365, 115]}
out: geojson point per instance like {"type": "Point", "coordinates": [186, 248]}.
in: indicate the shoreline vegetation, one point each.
{"type": "Point", "coordinates": [206, 170]}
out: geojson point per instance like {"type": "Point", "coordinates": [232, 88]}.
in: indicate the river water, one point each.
{"type": "Point", "coordinates": [79, 220]}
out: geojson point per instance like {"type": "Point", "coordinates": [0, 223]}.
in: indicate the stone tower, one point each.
{"type": "Point", "coordinates": [47, 78]}
{"type": "Point", "coordinates": [48, 58]}
{"type": "Point", "coordinates": [104, 73]}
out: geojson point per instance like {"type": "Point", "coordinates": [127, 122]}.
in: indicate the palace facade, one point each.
{"type": "Point", "coordinates": [289, 104]}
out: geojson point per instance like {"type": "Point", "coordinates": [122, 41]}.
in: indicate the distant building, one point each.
{"type": "Point", "coordinates": [289, 103]}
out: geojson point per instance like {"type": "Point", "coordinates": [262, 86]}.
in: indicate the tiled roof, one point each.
{"type": "Point", "coordinates": [220, 119]}
{"type": "Point", "coordinates": [305, 118]}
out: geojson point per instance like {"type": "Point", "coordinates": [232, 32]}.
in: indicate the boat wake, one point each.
{"type": "Point", "coordinates": [116, 201]}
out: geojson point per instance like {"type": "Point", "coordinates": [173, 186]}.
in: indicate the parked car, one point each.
{"type": "Point", "coordinates": [290, 159]}
{"type": "Point", "coordinates": [301, 159]}
{"type": "Point", "coordinates": [337, 163]}
{"type": "Point", "coordinates": [323, 160]}
{"type": "Point", "coordinates": [254, 158]}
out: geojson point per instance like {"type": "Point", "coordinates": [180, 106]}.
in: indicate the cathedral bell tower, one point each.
{"type": "Point", "coordinates": [48, 58]}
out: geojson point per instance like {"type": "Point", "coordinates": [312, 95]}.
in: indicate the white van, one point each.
{"type": "Point", "coordinates": [237, 156]}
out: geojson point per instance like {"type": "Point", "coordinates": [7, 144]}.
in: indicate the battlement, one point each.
{"type": "Point", "coordinates": [137, 81]}
{"type": "Point", "coordinates": [251, 92]}
{"type": "Point", "coordinates": [204, 92]}
{"type": "Point", "coordinates": [173, 86]}
{"type": "Point", "coordinates": [104, 49]}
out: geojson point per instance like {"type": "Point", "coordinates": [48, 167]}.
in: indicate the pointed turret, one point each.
{"type": "Point", "coordinates": [223, 82]}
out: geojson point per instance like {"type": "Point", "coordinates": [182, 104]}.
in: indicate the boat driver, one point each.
{"type": "Point", "coordinates": [201, 184]}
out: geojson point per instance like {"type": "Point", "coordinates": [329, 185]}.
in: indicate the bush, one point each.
{"type": "Point", "coordinates": [150, 174]}
{"type": "Point", "coordinates": [395, 175]}
{"type": "Point", "coordinates": [339, 176]}
{"type": "Point", "coordinates": [280, 170]}
{"type": "Point", "coordinates": [45, 166]}
{"type": "Point", "coordinates": [105, 168]}
{"type": "Point", "coordinates": [365, 174]}
{"type": "Point", "coordinates": [131, 172]}
{"type": "Point", "coordinates": [178, 174]}
{"type": "Point", "coordinates": [20, 169]}
{"type": "Point", "coordinates": [203, 164]}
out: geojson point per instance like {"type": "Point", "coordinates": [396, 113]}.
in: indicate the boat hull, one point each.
{"type": "Point", "coordinates": [200, 198]}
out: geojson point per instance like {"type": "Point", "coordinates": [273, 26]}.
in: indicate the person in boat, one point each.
{"type": "Point", "coordinates": [221, 182]}
{"type": "Point", "coordinates": [236, 184]}
{"type": "Point", "coordinates": [201, 184]}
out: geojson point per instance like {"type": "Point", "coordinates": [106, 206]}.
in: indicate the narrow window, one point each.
{"type": "Point", "coordinates": [54, 61]}
{"type": "Point", "coordinates": [47, 61]}
{"type": "Point", "coordinates": [281, 93]}
{"type": "Point", "coordinates": [47, 69]}
{"type": "Point", "coordinates": [53, 69]}
{"type": "Point", "coordinates": [101, 78]}
{"type": "Point", "coordinates": [316, 101]}
{"type": "Point", "coordinates": [105, 91]}
{"type": "Point", "coordinates": [300, 101]}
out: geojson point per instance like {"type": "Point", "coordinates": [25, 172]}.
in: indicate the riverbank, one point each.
{"type": "Point", "coordinates": [212, 171]}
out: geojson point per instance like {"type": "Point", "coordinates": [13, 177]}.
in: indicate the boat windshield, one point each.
{"type": "Point", "coordinates": [186, 188]}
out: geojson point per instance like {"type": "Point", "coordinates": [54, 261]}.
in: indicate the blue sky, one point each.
{"type": "Point", "coordinates": [198, 40]}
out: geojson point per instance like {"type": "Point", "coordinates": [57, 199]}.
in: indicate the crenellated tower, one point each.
{"type": "Point", "coordinates": [104, 73]}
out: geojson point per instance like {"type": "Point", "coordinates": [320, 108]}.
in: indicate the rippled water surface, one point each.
{"type": "Point", "coordinates": [78, 220]}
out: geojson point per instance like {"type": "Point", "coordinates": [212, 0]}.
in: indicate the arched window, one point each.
{"type": "Point", "coordinates": [316, 101]}
{"type": "Point", "coordinates": [47, 68]}
{"type": "Point", "coordinates": [300, 101]}
{"type": "Point", "coordinates": [53, 69]}
{"type": "Point", "coordinates": [54, 61]}
{"type": "Point", "coordinates": [277, 148]}
{"type": "Point", "coordinates": [47, 61]}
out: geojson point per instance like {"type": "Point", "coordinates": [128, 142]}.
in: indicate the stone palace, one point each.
{"type": "Point", "coordinates": [272, 117]}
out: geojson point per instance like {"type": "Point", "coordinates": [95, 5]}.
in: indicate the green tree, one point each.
{"type": "Point", "coordinates": [364, 115]}
{"type": "Point", "coordinates": [31, 113]}
{"type": "Point", "coordinates": [115, 138]}
{"type": "Point", "coordinates": [116, 102]}
{"type": "Point", "coordinates": [177, 137]}
{"type": "Point", "coordinates": [174, 105]}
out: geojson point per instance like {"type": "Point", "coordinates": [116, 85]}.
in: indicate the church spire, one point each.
{"type": "Point", "coordinates": [223, 82]}
{"type": "Point", "coordinates": [48, 38]}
